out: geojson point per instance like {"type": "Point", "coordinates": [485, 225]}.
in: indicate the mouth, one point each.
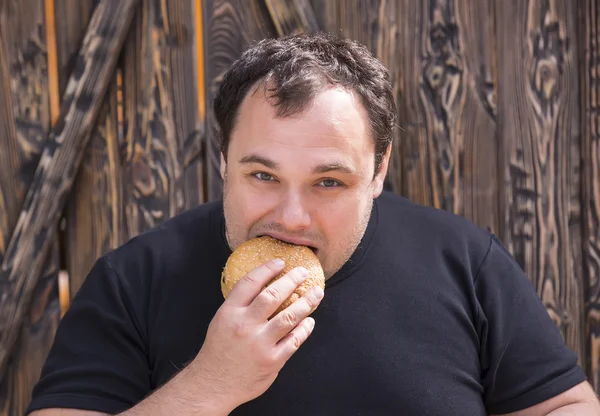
{"type": "Point", "coordinates": [292, 240]}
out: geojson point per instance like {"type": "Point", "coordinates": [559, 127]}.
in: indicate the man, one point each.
{"type": "Point", "coordinates": [423, 312]}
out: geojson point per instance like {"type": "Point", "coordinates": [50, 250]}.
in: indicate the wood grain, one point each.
{"type": "Point", "coordinates": [327, 15]}
{"type": "Point", "coordinates": [229, 30]}
{"type": "Point", "coordinates": [538, 126]}
{"type": "Point", "coordinates": [292, 17]}
{"type": "Point", "coordinates": [589, 23]}
{"type": "Point", "coordinates": [93, 214]}
{"type": "Point", "coordinates": [161, 157]}
{"type": "Point", "coordinates": [31, 240]}
{"type": "Point", "coordinates": [74, 17]}
{"type": "Point", "coordinates": [447, 107]}
{"type": "Point", "coordinates": [25, 116]}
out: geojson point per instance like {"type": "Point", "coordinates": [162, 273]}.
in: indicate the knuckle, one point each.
{"type": "Point", "coordinates": [271, 266]}
{"type": "Point", "coordinates": [298, 275]}
{"type": "Point", "coordinates": [296, 342]}
{"type": "Point", "coordinates": [294, 278]}
{"type": "Point", "coordinates": [310, 301]}
{"type": "Point", "coordinates": [271, 294]}
{"type": "Point", "coordinates": [289, 318]}
{"type": "Point", "coordinates": [241, 329]}
{"type": "Point", "coordinates": [268, 360]}
{"type": "Point", "coordinates": [249, 278]}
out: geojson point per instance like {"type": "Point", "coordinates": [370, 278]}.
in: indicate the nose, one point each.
{"type": "Point", "coordinates": [293, 214]}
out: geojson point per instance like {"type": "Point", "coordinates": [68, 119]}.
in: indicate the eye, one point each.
{"type": "Point", "coordinates": [330, 183]}
{"type": "Point", "coordinates": [263, 176]}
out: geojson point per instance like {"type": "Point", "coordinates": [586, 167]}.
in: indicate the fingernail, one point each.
{"type": "Point", "coordinates": [310, 322]}
{"type": "Point", "coordinates": [303, 272]}
{"type": "Point", "coordinates": [318, 292]}
{"type": "Point", "coordinates": [278, 262]}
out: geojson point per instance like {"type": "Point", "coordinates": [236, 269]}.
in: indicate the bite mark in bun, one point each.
{"type": "Point", "coordinates": [257, 251]}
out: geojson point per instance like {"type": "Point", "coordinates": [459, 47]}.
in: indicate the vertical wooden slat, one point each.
{"type": "Point", "coordinates": [538, 127]}
{"type": "Point", "coordinates": [161, 154]}
{"type": "Point", "coordinates": [74, 17]}
{"type": "Point", "coordinates": [75, 14]}
{"type": "Point", "coordinates": [326, 13]}
{"type": "Point", "coordinates": [589, 24]}
{"type": "Point", "coordinates": [80, 204]}
{"type": "Point", "coordinates": [197, 152]}
{"type": "Point", "coordinates": [229, 29]}
{"type": "Point", "coordinates": [27, 98]}
{"type": "Point", "coordinates": [200, 64]}
{"type": "Point", "coordinates": [52, 61]}
{"type": "Point", "coordinates": [23, 263]}
{"type": "Point", "coordinates": [447, 107]}
{"type": "Point", "coordinates": [185, 90]}
{"type": "Point", "coordinates": [94, 212]}
{"type": "Point", "coordinates": [292, 17]}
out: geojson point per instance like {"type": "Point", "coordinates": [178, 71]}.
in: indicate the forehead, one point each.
{"type": "Point", "coordinates": [335, 121]}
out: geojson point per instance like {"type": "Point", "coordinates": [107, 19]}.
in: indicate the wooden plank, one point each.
{"type": "Point", "coordinates": [230, 28]}
{"type": "Point", "coordinates": [69, 37]}
{"type": "Point", "coordinates": [74, 16]}
{"type": "Point", "coordinates": [25, 117]}
{"type": "Point", "coordinates": [28, 247]}
{"type": "Point", "coordinates": [94, 213]}
{"type": "Point", "coordinates": [91, 225]}
{"type": "Point", "coordinates": [447, 108]}
{"type": "Point", "coordinates": [589, 23]}
{"type": "Point", "coordinates": [538, 126]}
{"type": "Point", "coordinates": [327, 15]}
{"type": "Point", "coordinates": [162, 166]}
{"type": "Point", "coordinates": [292, 17]}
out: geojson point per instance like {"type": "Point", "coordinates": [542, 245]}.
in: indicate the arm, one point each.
{"type": "Point", "coordinates": [190, 392]}
{"type": "Point", "coordinates": [527, 367]}
{"type": "Point", "coordinates": [579, 400]}
{"type": "Point", "coordinates": [179, 396]}
{"type": "Point", "coordinates": [242, 354]}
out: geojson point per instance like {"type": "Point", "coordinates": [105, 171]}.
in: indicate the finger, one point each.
{"type": "Point", "coordinates": [249, 286]}
{"type": "Point", "coordinates": [286, 320]}
{"type": "Point", "coordinates": [292, 341]}
{"type": "Point", "coordinates": [271, 297]}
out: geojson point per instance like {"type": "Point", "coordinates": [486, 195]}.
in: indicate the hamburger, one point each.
{"type": "Point", "coordinates": [257, 251]}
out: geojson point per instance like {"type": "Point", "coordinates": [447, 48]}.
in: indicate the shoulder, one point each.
{"type": "Point", "coordinates": [171, 244]}
{"type": "Point", "coordinates": [435, 228]}
{"type": "Point", "coordinates": [430, 241]}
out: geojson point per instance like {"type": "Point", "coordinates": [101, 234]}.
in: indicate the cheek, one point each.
{"type": "Point", "coordinates": [249, 206]}
{"type": "Point", "coordinates": [335, 220]}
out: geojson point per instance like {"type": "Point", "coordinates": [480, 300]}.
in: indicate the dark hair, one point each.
{"type": "Point", "coordinates": [296, 68]}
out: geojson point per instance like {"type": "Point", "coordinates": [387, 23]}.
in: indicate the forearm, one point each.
{"type": "Point", "coordinates": [185, 394]}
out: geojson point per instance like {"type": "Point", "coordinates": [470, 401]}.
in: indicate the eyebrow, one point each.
{"type": "Point", "coordinates": [335, 166]}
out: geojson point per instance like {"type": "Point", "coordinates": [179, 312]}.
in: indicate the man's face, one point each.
{"type": "Point", "coordinates": [306, 179]}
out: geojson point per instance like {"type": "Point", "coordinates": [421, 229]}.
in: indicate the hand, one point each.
{"type": "Point", "coordinates": [244, 351]}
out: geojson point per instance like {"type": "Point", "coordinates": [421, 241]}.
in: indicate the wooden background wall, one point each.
{"type": "Point", "coordinates": [498, 114]}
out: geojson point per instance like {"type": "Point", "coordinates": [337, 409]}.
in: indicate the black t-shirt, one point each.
{"type": "Point", "coordinates": [430, 316]}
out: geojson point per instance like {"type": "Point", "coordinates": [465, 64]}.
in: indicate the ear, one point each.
{"type": "Point", "coordinates": [380, 176]}
{"type": "Point", "coordinates": [223, 166]}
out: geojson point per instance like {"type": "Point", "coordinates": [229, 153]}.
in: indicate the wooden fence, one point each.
{"type": "Point", "coordinates": [498, 114]}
